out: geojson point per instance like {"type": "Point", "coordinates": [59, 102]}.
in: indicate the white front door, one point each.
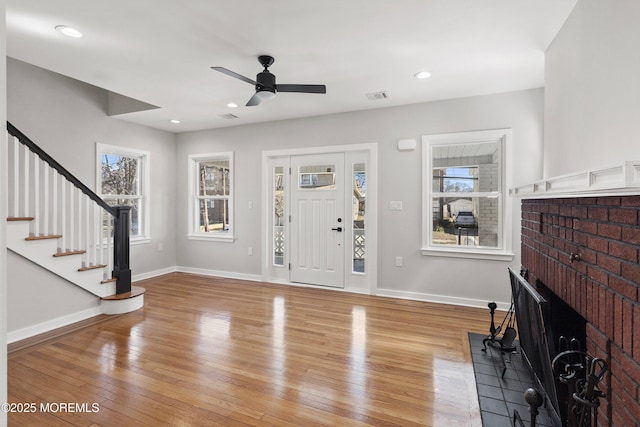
{"type": "Point", "coordinates": [317, 219]}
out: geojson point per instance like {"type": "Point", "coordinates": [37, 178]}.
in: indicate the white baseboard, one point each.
{"type": "Point", "coordinates": [218, 273]}
{"type": "Point", "coordinates": [155, 273]}
{"type": "Point", "coordinates": [442, 299]}
{"type": "Point", "coordinates": [52, 324]}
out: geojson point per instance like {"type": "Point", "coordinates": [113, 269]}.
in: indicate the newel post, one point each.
{"type": "Point", "coordinates": [121, 267]}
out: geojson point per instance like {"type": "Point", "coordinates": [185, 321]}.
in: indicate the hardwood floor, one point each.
{"type": "Point", "coordinates": [219, 352]}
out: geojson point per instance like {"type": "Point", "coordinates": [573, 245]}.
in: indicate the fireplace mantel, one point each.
{"type": "Point", "coordinates": [618, 180]}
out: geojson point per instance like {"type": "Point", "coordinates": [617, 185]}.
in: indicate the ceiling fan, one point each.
{"type": "Point", "coordinates": [265, 83]}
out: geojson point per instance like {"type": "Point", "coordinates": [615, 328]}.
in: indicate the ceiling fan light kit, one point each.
{"type": "Point", "coordinates": [265, 83]}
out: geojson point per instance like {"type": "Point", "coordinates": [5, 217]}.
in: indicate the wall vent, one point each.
{"type": "Point", "coordinates": [228, 116]}
{"type": "Point", "coordinates": [374, 96]}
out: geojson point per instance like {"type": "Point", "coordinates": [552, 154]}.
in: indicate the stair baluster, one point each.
{"type": "Point", "coordinates": [61, 205]}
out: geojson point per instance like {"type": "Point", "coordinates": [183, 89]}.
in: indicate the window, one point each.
{"type": "Point", "coordinates": [359, 215]}
{"type": "Point", "coordinates": [211, 188]}
{"type": "Point", "coordinates": [464, 187]}
{"type": "Point", "coordinates": [123, 179]}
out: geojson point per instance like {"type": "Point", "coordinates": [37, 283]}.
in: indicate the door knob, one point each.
{"type": "Point", "coordinates": [338, 229]}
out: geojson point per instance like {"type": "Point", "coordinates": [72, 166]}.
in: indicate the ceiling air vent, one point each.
{"type": "Point", "coordinates": [228, 116]}
{"type": "Point", "coordinates": [374, 96]}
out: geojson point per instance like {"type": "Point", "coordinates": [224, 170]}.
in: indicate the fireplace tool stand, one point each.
{"type": "Point", "coordinates": [504, 343]}
{"type": "Point", "coordinates": [582, 374]}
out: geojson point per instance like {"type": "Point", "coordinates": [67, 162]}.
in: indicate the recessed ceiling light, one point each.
{"type": "Point", "coordinates": [175, 121]}
{"type": "Point", "coordinates": [422, 75]}
{"type": "Point", "coordinates": [232, 105]}
{"type": "Point", "coordinates": [68, 31]}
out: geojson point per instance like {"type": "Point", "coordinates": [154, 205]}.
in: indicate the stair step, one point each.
{"type": "Point", "coordinates": [113, 279]}
{"type": "Point", "coordinates": [59, 254]}
{"type": "Point", "coordinates": [135, 291]}
{"type": "Point", "coordinates": [49, 236]}
{"type": "Point", "coordinates": [20, 218]}
{"type": "Point", "coordinates": [92, 267]}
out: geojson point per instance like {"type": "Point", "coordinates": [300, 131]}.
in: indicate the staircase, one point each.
{"type": "Point", "coordinates": [57, 222]}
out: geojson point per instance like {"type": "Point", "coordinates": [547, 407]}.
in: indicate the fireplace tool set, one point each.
{"type": "Point", "coordinates": [582, 374]}
{"type": "Point", "coordinates": [504, 343]}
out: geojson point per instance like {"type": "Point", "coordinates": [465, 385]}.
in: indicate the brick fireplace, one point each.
{"type": "Point", "coordinates": [586, 251]}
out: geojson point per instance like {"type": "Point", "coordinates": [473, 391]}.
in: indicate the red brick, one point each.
{"type": "Point", "coordinates": [636, 337]}
{"type": "Point", "coordinates": [598, 338]}
{"type": "Point", "coordinates": [580, 238]}
{"type": "Point", "coordinates": [579, 212]}
{"type": "Point", "coordinates": [624, 287]}
{"type": "Point", "coordinates": [630, 367]}
{"type": "Point", "coordinates": [609, 326]}
{"type": "Point", "coordinates": [630, 201]}
{"type": "Point", "coordinates": [631, 235]}
{"type": "Point", "coordinates": [598, 275]}
{"type": "Point", "coordinates": [630, 272]}
{"type": "Point", "coordinates": [598, 214]}
{"type": "Point", "coordinates": [609, 201]}
{"type": "Point", "coordinates": [598, 244]}
{"type": "Point", "coordinates": [623, 251]}
{"type": "Point", "coordinates": [586, 226]}
{"type": "Point", "coordinates": [610, 231]}
{"type": "Point", "coordinates": [617, 318]}
{"type": "Point", "coordinates": [602, 312]}
{"type": "Point", "coordinates": [624, 216]}
{"type": "Point", "coordinates": [587, 200]}
{"type": "Point", "coordinates": [627, 325]}
{"type": "Point", "coordinates": [609, 263]}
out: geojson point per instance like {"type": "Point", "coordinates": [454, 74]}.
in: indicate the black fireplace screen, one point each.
{"type": "Point", "coordinates": [532, 310]}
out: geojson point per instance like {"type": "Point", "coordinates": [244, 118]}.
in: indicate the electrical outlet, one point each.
{"type": "Point", "coordinates": [160, 247]}
{"type": "Point", "coordinates": [399, 261]}
{"type": "Point", "coordinates": [250, 251]}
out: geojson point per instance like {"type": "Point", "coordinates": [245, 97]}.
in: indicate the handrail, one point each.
{"type": "Point", "coordinates": [121, 267]}
{"type": "Point", "coordinates": [57, 166]}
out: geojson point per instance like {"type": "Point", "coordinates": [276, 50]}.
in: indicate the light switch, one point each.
{"type": "Point", "coordinates": [395, 205]}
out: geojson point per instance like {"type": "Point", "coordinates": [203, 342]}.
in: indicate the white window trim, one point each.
{"type": "Point", "coordinates": [502, 253]}
{"type": "Point", "coordinates": [145, 156]}
{"type": "Point", "coordinates": [193, 191]}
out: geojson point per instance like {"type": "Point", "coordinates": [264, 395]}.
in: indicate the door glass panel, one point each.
{"type": "Point", "coordinates": [318, 177]}
{"type": "Point", "coordinates": [278, 215]}
{"type": "Point", "coordinates": [359, 210]}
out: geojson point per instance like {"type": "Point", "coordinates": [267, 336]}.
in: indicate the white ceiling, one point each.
{"type": "Point", "coordinates": [160, 51]}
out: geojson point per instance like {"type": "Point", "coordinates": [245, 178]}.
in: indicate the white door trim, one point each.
{"type": "Point", "coordinates": [354, 282]}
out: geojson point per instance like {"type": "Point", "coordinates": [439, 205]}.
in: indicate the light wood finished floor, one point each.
{"type": "Point", "coordinates": [218, 352]}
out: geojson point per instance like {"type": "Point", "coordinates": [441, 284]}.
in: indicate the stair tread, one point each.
{"type": "Point", "coordinates": [135, 291]}
{"type": "Point", "coordinates": [91, 267]}
{"type": "Point", "coordinates": [48, 236]}
{"type": "Point", "coordinates": [67, 253]}
{"type": "Point", "coordinates": [20, 218]}
{"type": "Point", "coordinates": [113, 279]}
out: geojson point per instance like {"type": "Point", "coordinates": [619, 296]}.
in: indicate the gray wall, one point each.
{"type": "Point", "coordinates": [66, 118]}
{"type": "Point", "coordinates": [592, 88]}
{"type": "Point", "coordinates": [3, 225]}
{"type": "Point", "coordinates": [399, 233]}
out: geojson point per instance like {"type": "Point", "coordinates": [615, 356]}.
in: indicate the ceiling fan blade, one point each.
{"type": "Point", "coordinates": [255, 100]}
{"type": "Point", "coordinates": [234, 75]}
{"type": "Point", "coordinates": [302, 88]}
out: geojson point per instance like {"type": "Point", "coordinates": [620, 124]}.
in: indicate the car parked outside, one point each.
{"type": "Point", "coordinates": [465, 219]}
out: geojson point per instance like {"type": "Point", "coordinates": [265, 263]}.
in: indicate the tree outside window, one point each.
{"type": "Point", "coordinates": [122, 182]}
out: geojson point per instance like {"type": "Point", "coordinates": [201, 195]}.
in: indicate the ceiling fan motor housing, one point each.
{"type": "Point", "coordinates": [266, 81]}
